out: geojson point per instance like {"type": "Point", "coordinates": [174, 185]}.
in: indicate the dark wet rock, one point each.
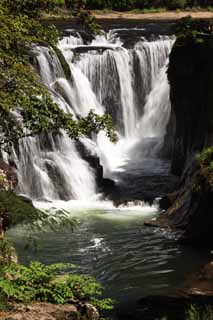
{"type": "Point", "coordinates": [166, 201]}
{"type": "Point", "coordinates": [93, 161]}
{"type": "Point", "coordinates": [85, 49]}
{"type": "Point", "coordinates": [189, 207]}
{"type": "Point", "coordinates": [170, 307]}
{"type": "Point", "coordinates": [104, 185]}
{"type": "Point", "coordinates": [197, 290]}
{"type": "Point", "coordinates": [58, 180]}
{"type": "Point", "coordinates": [25, 199]}
{"type": "Point", "coordinates": [150, 180]}
{"type": "Point", "coordinates": [190, 75]}
{"type": "Point", "coordinates": [108, 185]}
{"type": "Point", "coordinates": [190, 210]}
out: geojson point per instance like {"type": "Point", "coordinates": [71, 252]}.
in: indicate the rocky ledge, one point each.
{"type": "Point", "coordinates": [47, 311]}
{"type": "Point", "coordinates": [188, 208]}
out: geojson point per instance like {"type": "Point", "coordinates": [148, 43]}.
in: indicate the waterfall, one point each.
{"type": "Point", "coordinates": [129, 84]}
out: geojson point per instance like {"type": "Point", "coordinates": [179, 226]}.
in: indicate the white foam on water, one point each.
{"type": "Point", "coordinates": [101, 209]}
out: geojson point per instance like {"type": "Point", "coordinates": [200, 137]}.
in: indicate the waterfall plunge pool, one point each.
{"type": "Point", "coordinates": [112, 244]}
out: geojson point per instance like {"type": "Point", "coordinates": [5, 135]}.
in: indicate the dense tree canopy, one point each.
{"type": "Point", "coordinates": [140, 4]}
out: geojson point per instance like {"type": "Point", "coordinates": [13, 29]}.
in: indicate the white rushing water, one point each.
{"type": "Point", "coordinates": [129, 84]}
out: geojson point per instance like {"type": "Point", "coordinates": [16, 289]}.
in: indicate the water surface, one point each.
{"type": "Point", "coordinates": [128, 258]}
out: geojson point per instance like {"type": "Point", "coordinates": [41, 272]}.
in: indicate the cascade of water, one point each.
{"type": "Point", "coordinates": [49, 167]}
{"type": "Point", "coordinates": [122, 81]}
{"type": "Point", "coordinates": [130, 84]}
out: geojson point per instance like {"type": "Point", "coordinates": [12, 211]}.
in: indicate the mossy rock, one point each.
{"type": "Point", "coordinates": [64, 64]}
{"type": "Point", "coordinates": [15, 210]}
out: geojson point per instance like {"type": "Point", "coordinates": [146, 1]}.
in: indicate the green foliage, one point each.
{"type": "Point", "coordinates": [64, 63]}
{"type": "Point", "coordinates": [123, 5]}
{"type": "Point", "coordinates": [85, 18]}
{"type": "Point", "coordinates": [88, 21]}
{"type": "Point", "coordinates": [180, 4]}
{"type": "Point", "coordinates": [39, 282]}
{"type": "Point", "coordinates": [194, 313]}
{"type": "Point", "coordinates": [193, 30]}
{"type": "Point", "coordinates": [30, 8]}
{"type": "Point", "coordinates": [15, 211]}
{"type": "Point", "coordinates": [7, 252]}
{"type": "Point", "coordinates": [59, 3]}
{"type": "Point", "coordinates": [204, 178]}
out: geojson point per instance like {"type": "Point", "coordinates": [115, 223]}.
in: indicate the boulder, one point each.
{"type": "Point", "coordinates": [48, 311]}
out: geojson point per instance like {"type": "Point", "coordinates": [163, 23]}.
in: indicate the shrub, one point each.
{"type": "Point", "coordinates": [174, 4]}
{"type": "Point", "coordinates": [39, 282]}
{"type": "Point", "coordinates": [193, 313]}
{"type": "Point", "coordinates": [203, 180]}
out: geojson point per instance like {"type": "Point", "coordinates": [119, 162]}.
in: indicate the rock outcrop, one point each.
{"type": "Point", "coordinates": [48, 311]}
{"type": "Point", "coordinates": [190, 75]}
{"type": "Point", "coordinates": [189, 207]}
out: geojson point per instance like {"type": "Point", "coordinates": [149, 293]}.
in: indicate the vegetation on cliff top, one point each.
{"type": "Point", "coordinates": [123, 5]}
{"type": "Point", "coordinates": [195, 30]}
{"type": "Point", "coordinates": [204, 179]}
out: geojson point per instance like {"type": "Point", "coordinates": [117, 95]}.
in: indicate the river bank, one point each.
{"type": "Point", "coordinates": [111, 15]}
{"type": "Point", "coordinates": [167, 15]}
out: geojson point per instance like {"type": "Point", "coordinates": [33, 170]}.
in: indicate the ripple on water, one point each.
{"type": "Point", "coordinates": [130, 260]}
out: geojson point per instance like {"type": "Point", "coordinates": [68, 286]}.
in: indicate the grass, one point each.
{"type": "Point", "coordinates": [59, 3]}
{"type": "Point", "coordinates": [149, 10]}
{"type": "Point", "coordinates": [164, 9]}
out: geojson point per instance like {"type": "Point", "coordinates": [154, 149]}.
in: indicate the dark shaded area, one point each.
{"type": "Point", "coordinates": [131, 30]}
{"type": "Point", "coordinates": [191, 77]}
{"type": "Point", "coordinates": [123, 5]}
{"type": "Point", "coordinates": [145, 180]}
{"type": "Point", "coordinates": [173, 307]}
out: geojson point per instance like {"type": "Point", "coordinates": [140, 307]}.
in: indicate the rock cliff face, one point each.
{"type": "Point", "coordinates": [189, 208]}
{"type": "Point", "coordinates": [191, 77]}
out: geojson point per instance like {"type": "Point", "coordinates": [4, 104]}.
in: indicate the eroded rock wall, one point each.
{"type": "Point", "coordinates": [189, 209]}
{"type": "Point", "coordinates": [190, 75]}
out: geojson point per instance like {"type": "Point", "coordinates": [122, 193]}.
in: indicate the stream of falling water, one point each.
{"type": "Point", "coordinates": [129, 84]}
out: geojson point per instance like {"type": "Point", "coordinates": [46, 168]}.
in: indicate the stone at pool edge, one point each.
{"type": "Point", "coordinates": [48, 311]}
